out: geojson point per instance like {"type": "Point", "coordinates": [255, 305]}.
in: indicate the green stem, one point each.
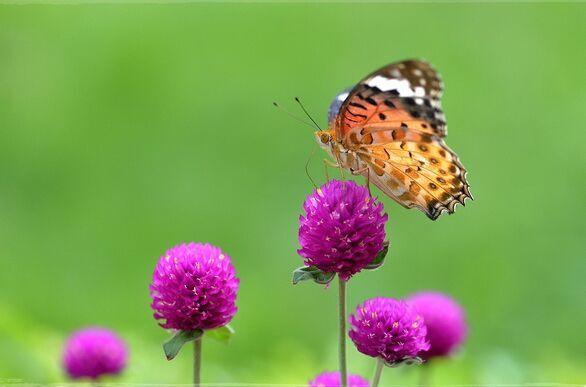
{"type": "Point", "coordinates": [378, 371]}
{"type": "Point", "coordinates": [197, 362]}
{"type": "Point", "coordinates": [424, 374]}
{"type": "Point", "coordinates": [342, 338]}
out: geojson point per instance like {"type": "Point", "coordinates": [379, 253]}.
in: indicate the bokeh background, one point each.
{"type": "Point", "coordinates": [126, 129]}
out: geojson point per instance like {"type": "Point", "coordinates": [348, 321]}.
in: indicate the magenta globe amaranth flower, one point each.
{"type": "Point", "coordinates": [94, 352]}
{"type": "Point", "coordinates": [445, 321]}
{"type": "Point", "coordinates": [194, 287]}
{"type": "Point", "coordinates": [389, 329]}
{"type": "Point", "coordinates": [332, 379]}
{"type": "Point", "coordinates": [343, 228]}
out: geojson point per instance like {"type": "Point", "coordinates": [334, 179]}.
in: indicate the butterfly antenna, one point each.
{"type": "Point", "coordinates": [307, 167]}
{"type": "Point", "coordinates": [307, 113]}
{"type": "Point", "coordinates": [292, 115]}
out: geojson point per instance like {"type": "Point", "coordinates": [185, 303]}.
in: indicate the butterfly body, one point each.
{"type": "Point", "coordinates": [390, 128]}
{"type": "Point", "coordinates": [346, 155]}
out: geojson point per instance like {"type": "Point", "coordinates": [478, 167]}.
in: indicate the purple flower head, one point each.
{"type": "Point", "coordinates": [343, 228]}
{"type": "Point", "coordinates": [332, 379]}
{"type": "Point", "coordinates": [388, 328]}
{"type": "Point", "coordinates": [94, 352]}
{"type": "Point", "coordinates": [194, 287]}
{"type": "Point", "coordinates": [445, 321]}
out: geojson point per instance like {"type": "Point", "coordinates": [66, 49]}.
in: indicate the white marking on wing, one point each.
{"type": "Point", "coordinates": [403, 86]}
{"type": "Point", "coordinates": [342, 96]}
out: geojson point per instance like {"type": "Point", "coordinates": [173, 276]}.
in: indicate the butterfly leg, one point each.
{"type": "Point", "coordinates": [329, 163]}
{"type": "Point", "coordinates": [340, 165]}
{"type": "Point", "coordinates": [367, 176]}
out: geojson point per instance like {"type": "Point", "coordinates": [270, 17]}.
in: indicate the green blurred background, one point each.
{"type": "Point", "coordinates": [127, 129]}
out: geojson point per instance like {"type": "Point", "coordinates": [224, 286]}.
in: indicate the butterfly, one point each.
{"type": "Point", "coordinates": [391, 129]}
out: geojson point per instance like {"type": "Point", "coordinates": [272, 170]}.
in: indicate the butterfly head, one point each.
{"type": "Point", "coordinates": [324, 138]}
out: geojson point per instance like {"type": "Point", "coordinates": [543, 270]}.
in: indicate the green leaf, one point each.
{"type": "Point", "coordinates": [312, 273]}
{"type": "Point", "coordinates": [174, 344]}
{"type": "Point", "coordinates": [323, 278]}
{"type": "Point", "coordinates": [380, 258]}
{"type": "Point", "coordinates": [223, 334]}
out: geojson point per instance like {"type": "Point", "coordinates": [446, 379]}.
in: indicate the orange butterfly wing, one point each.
{"type": "Point", "coordinates": [393, 121]}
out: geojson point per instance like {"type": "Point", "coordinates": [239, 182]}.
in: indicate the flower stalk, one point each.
{"type": "Point", "coordinates": [197, 362]}
{"type": "Point", "coordinates": [342, 337]}
{"type": "Point", "coordinates": [377, 372]}
{"type": "Point", "coordinates": [424, 375]}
